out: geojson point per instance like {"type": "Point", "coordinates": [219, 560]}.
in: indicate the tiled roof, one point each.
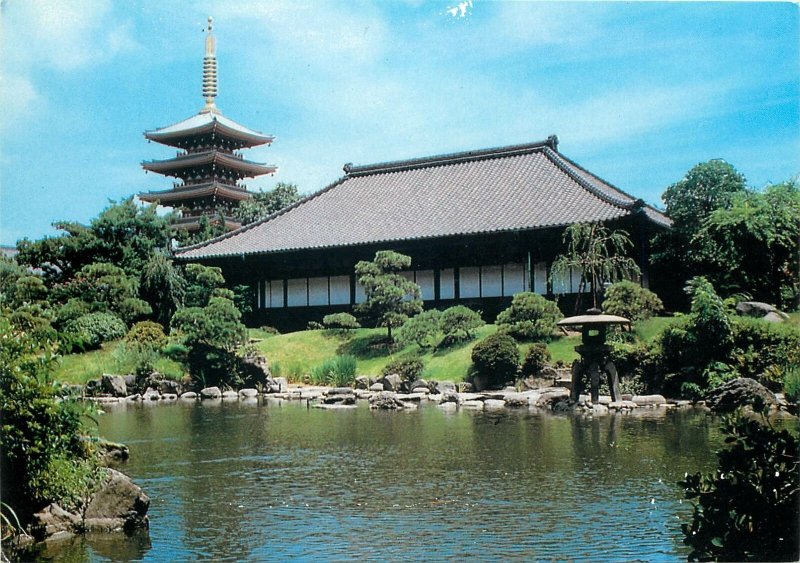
{"type": "Point", "coordinates": [516, 188]}
{"type": "Point", "coordinates": [173, 166]}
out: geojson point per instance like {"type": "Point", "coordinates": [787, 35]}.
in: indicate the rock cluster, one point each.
{"type": "Point", "coordinates": [741, 392]}
{"type": "Point", "coordinates": [761, 310]}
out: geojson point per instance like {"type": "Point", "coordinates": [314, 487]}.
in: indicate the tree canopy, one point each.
{"type": "Point", "coordinates": [264, 204]}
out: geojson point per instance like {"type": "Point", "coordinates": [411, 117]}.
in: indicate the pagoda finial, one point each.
{"type": "Point", "coordinates": [210, 71]}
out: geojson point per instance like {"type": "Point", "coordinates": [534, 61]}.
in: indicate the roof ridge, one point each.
{"type": "Point", "coordinates": [559, 161]}
{"type": "Point", "coordinates": [450, 158]}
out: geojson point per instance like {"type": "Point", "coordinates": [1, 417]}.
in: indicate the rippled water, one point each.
{"type": "Point", "coordinates": [262, 481]}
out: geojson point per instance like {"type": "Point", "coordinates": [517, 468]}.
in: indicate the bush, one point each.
{"type": "Point", "coordinates": [640, 367]}
{"type": "Point", "coordinates": [536, 359]}
{"type": "Point", "coordinates": [761, 350]}
{"type": "Point", "coordinates": [409, 369]}
{"type": "Point", "coordinates": [630, 300]}
{"type": "Point", "coordinates": [147, 334]}
{"type": "Point", "coordinates": [339, 371]}
{"type": "Point", "coordinates": [340, 321]}
{"type": "Point", "coordinates": [314, 325]}
{"type": "Point", "coordinates": [496, 358]}
{"type": "Point", "coordinates": [96, 328]}
{"type": "Point", "coordinates": [421, 329]}
{"type": "Point", "coordinates": [460, 319]}
{"type": "Point", "coordinates": [530, 317]}
{"type": "Point", "coordinates": [747, 509]}
{"type": "Point", "coordinates": [791, 383]}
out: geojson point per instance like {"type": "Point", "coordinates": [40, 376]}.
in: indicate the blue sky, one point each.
{"type": "Point", "coordinates": [637, 92]}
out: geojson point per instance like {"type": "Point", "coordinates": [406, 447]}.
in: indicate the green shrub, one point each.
{"type": "Point", "coordinates": [340, 321]}
{"type": "Point", "coordinates": [460, 319]}
{"type": "Point", "coordinates": [97, 328]}
{"type": "Point", "coordinates": [420, 329]}
{"type": "Point", "coordinates": [409, 369]}
{"type": "Point", "coordinates": [639, 365]}
{"type": "Point", "coordinates": [536, 359]}
{"type": "Point", "coordinates": [339, 371]}
{"type": "Point", "coordinates": [630, 300]}
{"type": "Point", "coordinates": [147, 334]}
{"type": "Point", "coordinates": [314, 325]}
{"type": "Point", "coordinates": [791, 383]}
{"type": "Point", "coordinates": [747, 509]}
{"type": "Point", "coordinates": [45, 455]}
{"type": "Point", "coordinates": [530, 317]}
{"type": "Point", "coordinates": [70, 311]}
{"type": "Point", "coordinates": [762, 349]}
{"type": "Point", "coordinates": [496, 358]}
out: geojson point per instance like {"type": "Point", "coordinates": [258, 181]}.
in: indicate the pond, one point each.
{"type": "Point", "coordinates": [268, 480]}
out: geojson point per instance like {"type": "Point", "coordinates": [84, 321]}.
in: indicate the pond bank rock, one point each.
{"type": "Point", "coordinates": [739, 393]}
{"type": "Point", "coordinates": [114, 385]}
{"type": "Point", "coordinates": [210, 393]}
{"type": "Point", "coordinates": [386, 400]}
{"type": "Point", "coordinates": [118, 504]}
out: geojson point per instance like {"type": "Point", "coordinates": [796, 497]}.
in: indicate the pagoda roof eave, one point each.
{"type": "Point", "coordinates": [204, 123]}
{"type": "Point", "coordinates": [176, 164]}
{"type": "Point", "coordinates": [193, 192]}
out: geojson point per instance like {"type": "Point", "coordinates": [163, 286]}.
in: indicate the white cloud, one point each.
{"type": "Point", "coordinates": [19, 99]}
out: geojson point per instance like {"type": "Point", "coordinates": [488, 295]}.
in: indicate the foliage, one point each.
{"type": "Point", "coordinates": [339, 371]}
{"type": "Point", "coordinates": [530, 317]}
{"type": "Point", "coordinates": [124, 234]}
{"type": "Point", "coordinates": [244, 296]}
{"type": "Point", "coordinates": [211, 334]}
{"type": "Point", "coordinates": [746, 510]}
{"type": "Point", "coordinates": [96, 328]}
{"type": "Point", "coordinates": [162, 286]}
{"type": "Point", "coordinates": [390, 298]}
{"type": "Point", "coordinates": [44, 457]}
{"type": "Point", "coordinates": [639, 362]}
{"type": "Point", "coordinates": [751, 245]}
{"type": "Point", "coordinates": [201, 281]}
{"type": "Point", "coordinates": [105, 288]}
{"type": "Point", "coordinates": [460, 318]}
{"type": "Point", "coordinates": [409, 369]}
{"type": "Point", "coordinates": [763, 350]}
{"type": "Point", "coordinates": [421, 329]}
{"type": "Point", "coordinates": [536, 359]}
{"type": "Point", "coordinates": [599, 253]}
{"type": "Point", "coordinates": [791, 383]}
{"type": "Point", "coordinates": [496, 358]}
{"type": "Point", "coordinates": [630, 300]}
{"type": "Point", "coordinates": [340, 321]}
{"type": "Point", "coordinates": [264, 204]}
{"type": "Point", "coordinates": [147, 334]}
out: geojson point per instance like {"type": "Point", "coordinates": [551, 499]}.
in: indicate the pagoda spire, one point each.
{"type": "Point", "coordinates": [210, 71]}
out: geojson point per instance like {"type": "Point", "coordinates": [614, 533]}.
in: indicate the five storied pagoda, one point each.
{"type": "Point", "coordinates": [208, 164]}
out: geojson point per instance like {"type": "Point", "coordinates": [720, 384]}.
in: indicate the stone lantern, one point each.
{"type": "Point", "coordinates": [595, 361]}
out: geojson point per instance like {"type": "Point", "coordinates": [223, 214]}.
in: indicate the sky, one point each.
{"type": "Point", "coordinates": [637, 92]}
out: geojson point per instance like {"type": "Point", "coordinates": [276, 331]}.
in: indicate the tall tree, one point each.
{"type": "Point", "coordinates": [600, 254]}
{"type": "Point", "coordinates": [264, 204]}
{"type": "Point", "coordinates": [162, 286]}
{"type": "Point", "coordinates": [391, 298]}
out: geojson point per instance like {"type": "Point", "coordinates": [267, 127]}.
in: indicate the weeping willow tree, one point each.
{"type": "Point", "coordinates": [600, 254]}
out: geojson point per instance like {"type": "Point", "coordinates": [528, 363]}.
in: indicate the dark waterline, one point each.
{"type": "Point", "coordinates": [235, 481]}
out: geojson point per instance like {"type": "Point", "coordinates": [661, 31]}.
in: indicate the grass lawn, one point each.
{"type": "Point", "coordinates": [293, 355]}
{"type": "Point", "coordinates": [80, 368]}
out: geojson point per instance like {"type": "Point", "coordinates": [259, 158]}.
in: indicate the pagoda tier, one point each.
{"type": "Point", "coordinates": [208, 164]}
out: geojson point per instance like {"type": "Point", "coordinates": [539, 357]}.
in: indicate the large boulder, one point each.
{"type": "Point", "coordinates": [391, 382]}
{"type": "Point", "coordinates": [361, 382]}
{"type": "Point", "coordinates": [440, 387]}
{"type": "Point", "coordinates": [210, 393]}
{"type": "Point", "coordinates": [118, 504]}
{"type": "Point", "coordinates": [760, 310]}
{"type": "Point", "coordinates": [739, 393]}
{"type": "Point", "coordinates": [114, 385]}
{"type": "Point", "coordinates": [170, 387]}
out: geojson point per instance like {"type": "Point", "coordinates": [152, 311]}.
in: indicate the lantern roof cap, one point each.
{"type": "Point", "coordinates": [594, 317]}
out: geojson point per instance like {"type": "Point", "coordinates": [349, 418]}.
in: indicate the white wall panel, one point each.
{"type": "Point", "coordinates": [491, 281]}
{"type": "Point", "coordinates": [340, 290]}
{"type": "Point", "coordinates": [513, 279]}
{"type": "Point", "coordinates": [561, 283]}
{"type": "Point", "coordinates": [447, 284]}
{"type": "Point", "coordinates": [318, 291]}
{"type": "Point", "coordinates": [469, 282]}
{"type": "Point", "coordinates": [540, 278]}
{"type": "Point", "coordinates": [425, 282]}
{"type": "Point", "coordinates": [276, 293]}
{"type": "Point", "coordinates": [298, 292]}
{"type": "Point", "coordinates": [361, 295]}
{"type": "Point", "coordinates": [575, 280]}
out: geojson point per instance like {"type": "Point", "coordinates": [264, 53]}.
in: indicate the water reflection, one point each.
{"type": "Point", "coordinates": [232, 481]}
